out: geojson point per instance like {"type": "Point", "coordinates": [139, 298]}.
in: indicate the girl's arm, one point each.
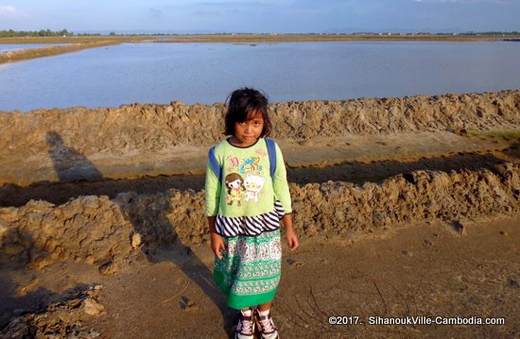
{"type": "Point", "coordinates": [281, 191]}
{"type": "Point", "coordinates": [290, 233]}
{"type": "Point", "coordinates": [211, 224]}
{"type": "Point", "coordinates": [212, 200]}
{"type": "Point", "coordinates": [217, 243]}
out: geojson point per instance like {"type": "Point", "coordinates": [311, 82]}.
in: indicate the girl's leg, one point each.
{"type": "Point", "coordinates": [265, 307]}
{"type": "Point", "coordinates": [265, 323]}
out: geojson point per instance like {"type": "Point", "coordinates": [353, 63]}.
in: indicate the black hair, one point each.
{"type": "Point", "coordinates": [241, 104]}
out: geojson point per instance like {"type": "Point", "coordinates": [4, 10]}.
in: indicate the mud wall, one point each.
{"type": "Point", "coordinates": [107, 233]}
{"type": "Point", "coordinates": [155, 127]}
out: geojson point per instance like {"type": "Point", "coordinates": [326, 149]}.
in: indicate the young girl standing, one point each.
{"type": "Point", "coordinates": [247, 196]}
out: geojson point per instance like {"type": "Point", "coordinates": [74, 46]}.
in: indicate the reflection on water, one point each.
{"type": "Point", "coordinates": [206, 73]}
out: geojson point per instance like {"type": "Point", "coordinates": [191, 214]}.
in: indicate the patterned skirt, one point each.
{"type": "Point", "coordinates": [249, 272]}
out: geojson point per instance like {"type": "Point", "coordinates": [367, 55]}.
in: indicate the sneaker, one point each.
{"type": "Point", "coordinates": [246, 327]}
{"type": "Point", "coordinates": [266, 326]}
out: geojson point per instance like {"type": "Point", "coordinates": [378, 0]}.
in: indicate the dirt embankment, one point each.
{"type": "Point", "coordinates": [107, 233]}
{"type": "Point", "coordinates": [26, 54]}
{"type": "Point", "coordinates": [73, 44]}
{"type": "Point", "coordinates": [141, 127]}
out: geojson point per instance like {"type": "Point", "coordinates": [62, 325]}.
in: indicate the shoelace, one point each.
{"type": "Point", "coordinates": [246, 325]}
{"type": "Point", "coordinates": [267, 324]}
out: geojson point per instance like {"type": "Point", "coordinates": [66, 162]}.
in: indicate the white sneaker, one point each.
{"type": "Point", "coordinates": [246, 326]}
{"type": "Point", "coordinates": [266, 326]}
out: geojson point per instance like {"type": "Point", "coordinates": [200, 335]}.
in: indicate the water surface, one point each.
{"type": "Point", "coordinates": [207, 72]}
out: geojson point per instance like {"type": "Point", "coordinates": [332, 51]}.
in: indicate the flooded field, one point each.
{"type": "Point", "coordinates": [206, 72]}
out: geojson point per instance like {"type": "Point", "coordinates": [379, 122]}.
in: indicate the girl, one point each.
{"type": "Point", "coordinates": [246, 197]}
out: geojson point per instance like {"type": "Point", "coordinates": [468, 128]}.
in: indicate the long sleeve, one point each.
{"type": "Point", "coordinates": [212, 189]}
{"type": "Point", "coordinates": [280, 185]}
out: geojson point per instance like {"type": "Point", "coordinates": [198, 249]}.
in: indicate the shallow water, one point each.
{"type": "Point", "coordinates": [207, 72]}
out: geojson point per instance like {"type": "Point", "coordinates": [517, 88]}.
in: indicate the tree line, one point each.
{"type": "Point", "coordinates": [64, 32]}
{"type": "Point", "coordinates": [43, 32]}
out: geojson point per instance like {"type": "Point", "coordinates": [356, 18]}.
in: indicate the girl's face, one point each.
{"type": "Point", "coordinates": [249, 131]}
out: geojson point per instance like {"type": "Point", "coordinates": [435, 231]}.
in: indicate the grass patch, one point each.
{"type": "Point", "coordinates": [502, 134]}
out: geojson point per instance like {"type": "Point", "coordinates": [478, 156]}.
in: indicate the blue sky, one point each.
{"type": "Point", "coordinates": [261, 16]}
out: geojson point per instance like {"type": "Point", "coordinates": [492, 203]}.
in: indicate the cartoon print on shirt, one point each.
{"type": "Point", "coordinates": [251, 165]}
{"type": "Point", "coordinates": [233, 162]}
{"type": "Point", "coordinates": [260, 152]}
{"type": "Point", "coordinates": [253, 184]}
{"type": "Point", "coordinates": [235, 188]}
{"type": "Point", "coordinates": [238, 188]}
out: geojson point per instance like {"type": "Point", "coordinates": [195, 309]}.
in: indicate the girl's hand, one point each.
{"type": "Point", "coordinates": [217, 244]}
{"type": "Point", "coordinates": [292, 239]}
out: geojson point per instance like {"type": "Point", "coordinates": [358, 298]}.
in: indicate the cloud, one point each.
{"type": "Point", "coordinates": [7, 10]}
{"type": "Point", "coordinates": [155, 13]}
{"type": "Point", "coordinates": [464, 1]}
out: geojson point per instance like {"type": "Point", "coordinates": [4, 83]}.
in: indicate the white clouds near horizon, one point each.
{"type": "Point", "coordinates": [7, 10]}
{"type": "Point", "coordinates": [183, 16]}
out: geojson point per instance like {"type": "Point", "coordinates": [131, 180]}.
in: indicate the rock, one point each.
{"type": "Point", "coordinates": [458, 227]}
{"type": "Point", "coordinates": [427, 243]}
{"type": "Point", "coordinates": [407, 253]}
{"type": "Point", "coordinates": [107, 268]}
{"type": "Point", "coordinates": [186, 303]}
{"type": "Point", "coordinates": [92, 307]}
{"type": "Point", "coordinates": [136, 240]}
{"type": "Point", "coordinates": [513, 283]}
{"type": "Point", "coordinates": [90, 260]}
{"type": "Point", "coordinates": [29, 288]}
{"type": "Point", "coordinates": [294, 263]}
{"type": "Point", "coordinates": [3, 231]}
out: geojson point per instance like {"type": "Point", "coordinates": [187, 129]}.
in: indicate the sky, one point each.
{"type": "Point", "coordinates": [261, 16]}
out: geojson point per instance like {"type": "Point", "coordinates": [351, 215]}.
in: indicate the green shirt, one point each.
{"type": "Point", "coordinates": [247, 189]}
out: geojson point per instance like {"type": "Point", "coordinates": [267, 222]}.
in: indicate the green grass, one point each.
{"type": "Point", "coordinates": [504, 134]}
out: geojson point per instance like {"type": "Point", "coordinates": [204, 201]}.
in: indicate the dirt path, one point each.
{"type": "Point", "coordinates": [356, 159]}
{"type": "Point", "coordinates": [418, 270]}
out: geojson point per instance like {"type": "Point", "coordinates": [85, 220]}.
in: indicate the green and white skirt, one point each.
{"type": "Point", "coordinates": [249, 272]}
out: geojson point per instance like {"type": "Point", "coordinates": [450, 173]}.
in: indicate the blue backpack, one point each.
{"type": "Point", "coordinates": [271, 152]}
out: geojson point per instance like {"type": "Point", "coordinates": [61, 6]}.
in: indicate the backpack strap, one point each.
{"type": "Point", "coordinates": [271, 152]}
{"type": "Point", "coordinates": [213, 163]}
